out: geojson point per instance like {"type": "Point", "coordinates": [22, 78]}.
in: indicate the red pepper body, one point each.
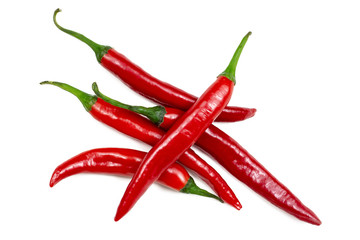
{"type": "Point", "coordinates": [140, 128]}
{"type": "Point", "coordinates": [148, 86]}
{"type": "Point", "coordinates": [234, 158]}
{"type": "Point", "coordinates": [181, 136]}
{"type": "Point", "coordinates": [117, 161]}
{"type": "Point", "coordinates": [162, 92]}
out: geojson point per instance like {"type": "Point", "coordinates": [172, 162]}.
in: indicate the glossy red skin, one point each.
{"type": "Point", "coordinates": [180, 137]}
{"type": "Point", "coordinates": [144, 130]}
{"type": "Point", "coordinates": [161, 92]}
{"type": "Point", "coordinates": [234, 158]}
{"type": "Point", "coordinates": [119, 161]}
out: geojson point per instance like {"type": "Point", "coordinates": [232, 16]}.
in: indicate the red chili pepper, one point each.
{"type": "Point", "coordinates": [237, 160]}
{"type": "Point", "coordinates": [182, 135]}
{"type": "Point", "coordinates": [125, 162]}
{"type": "Point", "coordinates": [140, 128]}
{"type": "Point", "coordinates": [147, 85]}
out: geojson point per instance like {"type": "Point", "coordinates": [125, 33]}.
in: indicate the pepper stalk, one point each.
{"type": "Point", "coordinates": [155, 114]}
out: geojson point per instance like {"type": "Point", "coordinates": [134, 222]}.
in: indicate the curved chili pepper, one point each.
{"type": "Point", "coordinates": [125, 162]}
{"type": "Point", "coordinates": [140, 128]}
{"type": "Point", "coordinates": [182, 135]}
{"type": "Point", "coordinates": [237, 161]}
{"type": "Point", "coordinates": [145, 84]}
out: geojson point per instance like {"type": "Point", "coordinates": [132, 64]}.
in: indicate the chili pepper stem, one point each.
{"type": "Point", "coordinates": [231, 68]}
{"type": "Point", "coordinates": [192, 188]}
{"type": "Point", "coordinates": [100, 50]}
{"type": "Point", "coordinates": [155, 114]}
{"type": "Point", "coordinates": [86, 99]}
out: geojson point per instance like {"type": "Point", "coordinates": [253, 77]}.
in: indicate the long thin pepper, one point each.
{"type": "Point", "coordinates": [182, 135]}
{"type": "Point", "coordinates": [124, 162]}
{"type": "Point", "coordinates": [140, 128]}
{"type": "Point", "coordinates": [145, 84]}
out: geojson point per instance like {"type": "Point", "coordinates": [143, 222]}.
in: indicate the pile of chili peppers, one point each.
{"type": "Point", "coordinates": [172, 128]}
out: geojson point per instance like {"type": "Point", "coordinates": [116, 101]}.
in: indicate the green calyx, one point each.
{"type": "Point", "coordinates": [100, 50]}
{"type": "Point", "coordinates": [87, 100]}
{"type": "Point", "coordinates": [155, 114]}
{"type": "Point", "coordinates": [231, 68]}
{"type": "Point", "coordinates": [192, 188]}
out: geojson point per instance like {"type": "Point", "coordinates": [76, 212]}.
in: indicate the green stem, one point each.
{"type": "Point", "coordinates": [231, 68]}
{"type": "Point", "coordinates": [192, 188]}
{"type": "Point", "coordinates": [86, 99]}
{"type": "Point", "coordinates": [100, 50]}
{"type": "Point", "coordinates": [155, 114]}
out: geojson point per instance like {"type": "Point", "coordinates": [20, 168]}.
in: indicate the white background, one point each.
{"type": "Point", "coordinates": [300, 69]}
